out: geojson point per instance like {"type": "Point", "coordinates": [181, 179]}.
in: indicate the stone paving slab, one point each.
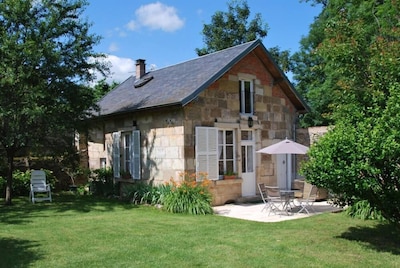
{"type": "Point", "coordinates": [254, 212]}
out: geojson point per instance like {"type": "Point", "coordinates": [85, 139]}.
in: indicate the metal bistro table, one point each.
{"type": "Point", "coordinates": [288, 197]}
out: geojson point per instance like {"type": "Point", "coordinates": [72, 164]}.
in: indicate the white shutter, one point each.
{"type": "Point", "coordinates": [207, 151]}
{"type": "Point", "coordinates": [116, 154]}
{"type": "Point", "coordinates": [135, 157]}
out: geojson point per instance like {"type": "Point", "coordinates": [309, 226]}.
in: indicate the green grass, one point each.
{"type": "Point", "coordinates": [89, 232]}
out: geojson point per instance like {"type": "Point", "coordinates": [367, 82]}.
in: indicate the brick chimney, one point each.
{"type": "Point", "coordinates": [140, 68]}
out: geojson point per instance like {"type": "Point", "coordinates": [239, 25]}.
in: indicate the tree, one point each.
{"type": "Point", "coordinates": [359, 158]}
{"type": "Point", "coordinates": [101, 88]}
{"type": "Point", "coordinates": [47, 61]}
{"type": "Point", "coordinates": [232, 28]}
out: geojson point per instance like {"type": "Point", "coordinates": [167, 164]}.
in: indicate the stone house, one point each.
{"type": "Point", "coordinates": [210, 114]}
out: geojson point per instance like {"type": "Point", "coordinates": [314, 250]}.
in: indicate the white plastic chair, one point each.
{"type": "Point", "coordinates": [40, 189]}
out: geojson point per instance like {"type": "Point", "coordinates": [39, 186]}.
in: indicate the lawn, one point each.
{"type": "Point", "coordinates": [90, 232]}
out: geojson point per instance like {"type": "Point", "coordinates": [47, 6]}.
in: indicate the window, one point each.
{"type": "Point", "coordinates": [126, 154]}
{"type": "Point", "coordinates": [226, 152]}
{"type": "Point", "coordinates": [246, 96]}
{"type": "Point", "coordinates": [215, 151]}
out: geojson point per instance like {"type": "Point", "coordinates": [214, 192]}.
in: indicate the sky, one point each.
{"type": "Point", "coordinates": [167, 32]}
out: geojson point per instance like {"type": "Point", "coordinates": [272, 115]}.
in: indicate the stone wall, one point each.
{"type": "Point", "coordinates": [162, 143]}
{"type": "Point", "coordinates": [218, 106]}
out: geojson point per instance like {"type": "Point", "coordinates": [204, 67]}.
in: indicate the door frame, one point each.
{"type": "Point", "coordinates": [249, 178]}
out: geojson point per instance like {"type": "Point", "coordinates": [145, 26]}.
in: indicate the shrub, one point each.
{"type": "Point", "coordinates": [21, 182]}
{"type": "Point", "coordinates": [102, 182]}
{"type": "Point", "coordinates": [190, 195]}
{"type": "Point", "coordinates": [363, 210]}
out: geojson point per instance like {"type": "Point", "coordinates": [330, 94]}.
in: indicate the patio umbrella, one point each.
{"type": "Point", "coordinates": [285, 147]}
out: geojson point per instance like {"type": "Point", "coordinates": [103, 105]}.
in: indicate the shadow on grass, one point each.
{"type": "Point", "coordinates": [23, 210]}
{"type": "Point", "coordinates": [382, 238]}
{"type": "Point", "coordinates": [18, 253]}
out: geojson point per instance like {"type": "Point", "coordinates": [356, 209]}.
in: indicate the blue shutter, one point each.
{"type": "Point", "coordinates": [116, 161]}
{"type": "Point", "coordinates": [135, 157]}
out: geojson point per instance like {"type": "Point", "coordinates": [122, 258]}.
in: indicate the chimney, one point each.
{"type": "Point", "coordinates": [140, 68]}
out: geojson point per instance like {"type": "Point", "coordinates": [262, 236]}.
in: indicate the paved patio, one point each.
{"type": "Point", "coordinates": [252, 212]}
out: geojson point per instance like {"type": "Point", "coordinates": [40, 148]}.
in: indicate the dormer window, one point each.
{"type": "Point", "coordinates": [246, 95]}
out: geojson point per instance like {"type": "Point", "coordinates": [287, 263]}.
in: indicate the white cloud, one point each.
{"type": "Point", "coordinates": [132, 25]}
{"type": "Point", "coordinates": [120, 69]}
{"type": "Point", "coordinates": [157, 16]}
{"type": "Point", "coordinates": [113, 47]}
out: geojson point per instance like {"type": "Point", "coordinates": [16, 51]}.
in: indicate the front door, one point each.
{"type": "Point", "coordinates": [284, 178]}
{"type": "Point", "coordinates": [248, 163]}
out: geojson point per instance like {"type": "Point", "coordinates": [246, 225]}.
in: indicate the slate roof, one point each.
{"type": "Point", "coordinates": [181, 83]}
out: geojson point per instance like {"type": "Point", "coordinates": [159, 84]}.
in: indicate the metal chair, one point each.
{"type": "Point", "coordinates": [309, 197]}
{"type": "Point", "coordinates": [272, 198]}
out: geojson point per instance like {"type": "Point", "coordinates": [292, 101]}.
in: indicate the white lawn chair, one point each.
{"type": "Point", "coordinates": [40, 189]}
{"type": "Point", "coordinates": [309, 197]}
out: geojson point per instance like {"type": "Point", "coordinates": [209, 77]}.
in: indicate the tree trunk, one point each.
{"type": "Point", "coordinates": [10, 160]}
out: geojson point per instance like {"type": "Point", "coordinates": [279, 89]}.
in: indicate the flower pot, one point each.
{"type": "Point", "coordinates": [229, 177]}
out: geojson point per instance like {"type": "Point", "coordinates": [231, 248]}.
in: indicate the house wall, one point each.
{"type": "Point", "coordinates": [218, 106]}
{"type": "Point", "coordinates": [162, 140]}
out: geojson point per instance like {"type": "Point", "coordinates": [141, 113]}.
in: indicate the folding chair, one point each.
{"type": "Point", "coordinates": [39, 187]}
{"type": "Point", "coordinates": [271, 197]}
{"type": "Point", "coordinates": [309, 197]}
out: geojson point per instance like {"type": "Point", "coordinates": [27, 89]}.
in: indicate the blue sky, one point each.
{"type": "Point", "coordinates": [166, 32]}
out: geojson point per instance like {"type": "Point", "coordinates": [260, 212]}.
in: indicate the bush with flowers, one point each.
{"type": "Point", "coordinates": [189, 195]}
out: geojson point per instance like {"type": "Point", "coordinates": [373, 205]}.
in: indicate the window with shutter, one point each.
{"type": "Point", "coordinates": [207, 151]}
{"type": "Point", "coordinates": [135, 162]}
{"type": "Point", "coordinates": [116, 154]}
{"type": "Point", "coordinates": [126, 154]}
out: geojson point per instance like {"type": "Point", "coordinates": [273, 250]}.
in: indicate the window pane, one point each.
{"type": "Point", "coordinates": [221, 168]}
{"type": "Point", "coordinates": [229, 137]}
{"type": "Point", "coordinates": [247, 93]}
{"type": "Point", "coordinates": [229, 166]}
{"type": "Point", "coordinates": [221, 152]}
{"type": "Point", "coordinates": [244, 159]}
{"type": "Point", "coordinates": [246, 135]}
{"type": "Point", "coordinates": [250, 159]}
{"type": "Point", "coordinates": [220, 137]}
{"type": "Point", "coordinates": [240, 97]}
{"type": "Point", "coordinates": [229, 152]}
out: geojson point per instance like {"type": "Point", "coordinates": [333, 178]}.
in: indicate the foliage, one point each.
{"type": "Point", "coordinates": [232, 28]}
{"type": "Point", "coordinates": [190, 195]}
{"type": "Point", "coordinates": [102, 182]}
{"type": "Point", "coordinates": [144, 193]}
{"type": "Point", "coordinates": [363, 210]}
{"type": "Point", "coordinates": [358, 159]}
{"type": "Point", "coordinates": [21, 179]}
{"type": "Point", "coordinates": [47, 60]}
{"type": "Point", "coordinates": [101, 88]}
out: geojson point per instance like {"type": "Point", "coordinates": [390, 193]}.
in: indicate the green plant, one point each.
{"type": "Point", "coordinates": [363, 210]}
{"type": "Point", "coordinates": [230, 173]}
{"type": "Point", "coordinates": [21, 181]}
{"type": "Point", "coordinates": [138, 193]}
{"type": "Point", "coordinates": [190, 195]}
{"type": "Point", "coordinates": [102, 182]}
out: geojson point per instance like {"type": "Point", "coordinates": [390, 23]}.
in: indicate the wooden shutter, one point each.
{"type": "Point", "coordinates": [207, 151]}
{"type": "Point", "coordinates": [116, 154]}
{"type": "Point", "coordinates": [135, 157]}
